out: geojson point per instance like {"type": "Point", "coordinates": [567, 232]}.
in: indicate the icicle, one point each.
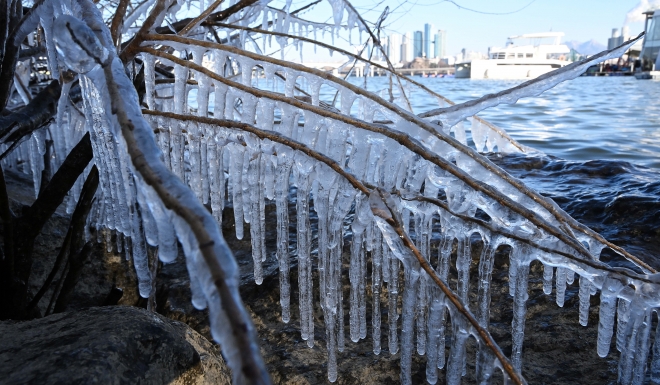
{"type": "Point", "coordinates": [444, 254]}
{"type": "Point", "coordinates": [393, 296]}
{"type": "Point", "coordinates": [376, 261]}
{"type": "Point", "coordinates": [149, 80]}
{"type": "Point", "coordinates": [560, 285]}
{"type": "Point", "coordinates": [357, 271]}
{"type": "Point", "coordinates": [140, 258]}
{"type": "Point", "coordinates": [632, 364]}
{"type": "Point", "coordinates": [216, 177]}
{"type": "Point", "coordinates": [355, 276]}
{"type": "Point", "coordinates": [411, 281]}
{"type": "Point", "coordinates": [570, 276]}
{"type": "Point", "coordinates": [608, 295]}
{"type": "Point", "coordinates": [622, 316]}
{"type": "Point", "coordinates": [456, 360]}
{"type": "Point", "coordinates": [486, 365]}
{"type": "Point", "coordinates": [584, 295]}
{"type": "Point", "coordinates": [463, 262]}
{"type": "Point", "coordinates": [304, 169]}
{"type": "Point", "coordinates": [194, 156]}
{"type": "Point", "coordinates": [235, 177]}
{"type": "Point", "coordinates": [485, 359]}
{"type": "Point", "coordinates": [519, 306]}
{"type": "Point", "coordinates": [655, 362]}
{"type": "Point", "coordinates": [434, 323]}
{"type": "Point", "coordinates": [282, 207]}
{"type": "Point", "coordinates": [547, 278]}
{"type": "Point", "coordinates": [255, 210]}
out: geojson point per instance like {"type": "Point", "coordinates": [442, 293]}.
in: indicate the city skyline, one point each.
{"type": "Point", "coordinates": [582, 22]}
{"type": "Point", "coordinates": [425, 44]}
{"type": "Point", "coordinates": [489, 23]}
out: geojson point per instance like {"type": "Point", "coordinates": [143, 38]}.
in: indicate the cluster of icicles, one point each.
{"type": "Point", "coordinates": [214, 160]}
{"type": "Point", "coordinates": [260, 170]}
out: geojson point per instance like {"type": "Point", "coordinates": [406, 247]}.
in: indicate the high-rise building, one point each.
{"type": "Point", "coordinates": [428, 37]}
{"type": "Point", "coordinates": [440, 43]}
{"type": "Point", "coordinates": [407, 48]}
{"type": "Point", "coordinates": [418, 44]}
{"type": "Point", "coordinates": [394, 48]}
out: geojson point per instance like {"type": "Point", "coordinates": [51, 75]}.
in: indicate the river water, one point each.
{"type": "Point", "coordinates": [601, 143]}
{"type": "Point", "coordinates": [589, 118]}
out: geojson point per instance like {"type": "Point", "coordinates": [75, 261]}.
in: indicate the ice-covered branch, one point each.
{"type": "Point", "coordinates": [199, 232]}
{"type": "Point", "coordinates": [218, 16]}
{"type": "Point", "coordinates": [402, 138]}
{"type": "Point", "coordinates": [415, 123]}
{"type": "Point", "coordinates": [451, 115]}
{"type": "Point", "coordinates": [154, 19]}
{"type": "Point", "coordinates": [481, 332]}
{"type": "Point", "coordinates": [116, 27]}
{"type": "Point", "coordinates": [199, 19]}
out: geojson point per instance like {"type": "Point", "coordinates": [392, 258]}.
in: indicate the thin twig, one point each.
{"type": "Point", "coordinates": [131, 49]}
{"type": "Point", "coordinates": [118, 21]}
{"type": "Point", "coordinates": [218, 16]}
{"type": "Point", "coordinates": [202, 16]}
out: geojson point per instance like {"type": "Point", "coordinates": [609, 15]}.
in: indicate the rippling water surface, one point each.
{"type": "Point", "coordinates": [601, 139]}
{"type": "Point", "coordinates": [589, 118]}
{"type": "Point", "coordinates": [615, 118]}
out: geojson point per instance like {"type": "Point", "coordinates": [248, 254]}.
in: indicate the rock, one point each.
{"type": "Point", "coordinates": [104, 269]}
{"type": "Point", "coordinates": [107, 345]}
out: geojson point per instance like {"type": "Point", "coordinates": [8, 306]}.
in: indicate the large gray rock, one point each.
{"type": "Point", "coordinates": [107, 345]}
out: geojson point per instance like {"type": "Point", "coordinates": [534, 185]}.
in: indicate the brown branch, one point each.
{"type": "Point", "coordinates": [218, 16]}
{"type": "Point", "coordinates": [7, 230]}
{"type": "Point", "coordinates": [118, 22]}
{"type": "Point", "coordinates": [270, 135]}
{"type": "Point", "coordinates": [503, 133]}
{"type": "Point", "coordinates": [76, 264]}
{"type": "Point", "coordinates": [202, 16]}
{"type": "Point", "coordinates": [71, 245]}
{"type": "Point", "coordinates": [31, 117]}
{"type": "Point", "coordinates": [310, 5]}
{"type": "Point", "coordinates": [595, 264]}
{"type": "Point", "coordinates": [131, 49]}
{"type": "Point", "coordinates": [46, 173]}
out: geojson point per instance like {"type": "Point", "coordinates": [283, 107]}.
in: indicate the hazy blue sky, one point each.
{"type": "Point", "coordinates": [580, 20]}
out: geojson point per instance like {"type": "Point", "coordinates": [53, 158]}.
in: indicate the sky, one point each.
{"type": "Point", "coordinates": [478, 24]}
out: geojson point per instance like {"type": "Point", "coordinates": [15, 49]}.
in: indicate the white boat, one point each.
{"type": "Point", "coordinates": [518, 61]}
